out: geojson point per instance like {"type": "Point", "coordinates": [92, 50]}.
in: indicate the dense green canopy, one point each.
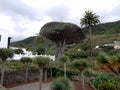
{"type": "Point", "coordinates": [60, 31]}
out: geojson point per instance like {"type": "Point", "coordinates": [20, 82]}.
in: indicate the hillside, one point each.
{"type": "Point", "coordinates": [31, 43]}
{"type": "Point", "coordinates": [101, 33]}
{"type": "Point", "coordinates": [105, 28]}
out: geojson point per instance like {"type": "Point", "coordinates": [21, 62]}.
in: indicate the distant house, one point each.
{"type": "Point", "coordinates": [4, 39]}
{"type": "Point", "coordinates": [117, 46]}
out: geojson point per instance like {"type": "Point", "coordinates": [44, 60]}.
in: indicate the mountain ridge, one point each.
{"type": "Point", "coordinates": [100, 29]}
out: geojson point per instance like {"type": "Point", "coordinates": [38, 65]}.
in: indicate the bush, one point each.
{"type": "Point", "coordinates": [107, 86]}
{"type": "Point", "coordinates": [61, 84]}
{"type": "Point", "coordinates": [81, 54]}
{"type": "Point", "coordinates": [14, 64]}
{"type": "Point", "coordinates": [102, 58]}
{"type": "Point", "coordinates": [104, 78]}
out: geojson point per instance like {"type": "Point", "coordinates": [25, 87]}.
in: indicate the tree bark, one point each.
{"type": "Point", "coordinates": [65, 75]}
{"type": "Point", "coordinates": [45, 76]}
{"type": "Point", "coordinates": [2, 72]}
{"type": "Point", "coordinates": [26, 76]}
{"type": "Point", "coordinates": [60, 50]}
{"type": "Point", "coordinates": [40, 78]}
{"type": "Point", "coordinates": [83, 82]}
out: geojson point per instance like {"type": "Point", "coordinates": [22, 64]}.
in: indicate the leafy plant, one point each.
{"type": "Point", "coordinates": [107, 86]}
{"type": "Point", "coordinates": [102, 58]}
{"type": "Point", "coordinates": [104, 78]}
{"type": "Point", "coordinates": [61, 84]}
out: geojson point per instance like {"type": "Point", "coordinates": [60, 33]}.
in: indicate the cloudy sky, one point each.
{"type": "Point", "coordinates": [24, 18]}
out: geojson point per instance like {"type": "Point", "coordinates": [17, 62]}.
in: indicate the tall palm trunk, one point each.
{"type": "Point", "coordinates": [2, 72]}
{"type": "Point", "coordinates": [83, 82]}
{"type": "Point", "coordinates": [90, 37]}
{"type": "Point", "coordinates": [26, 76]}
{"type": "Point", "coordinates": [40, 78]}
{"type": "Point", "coordinates": [65, 76]}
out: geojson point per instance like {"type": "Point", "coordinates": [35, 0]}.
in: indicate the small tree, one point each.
{"type": "Point", "coordinates": [64, 59]}
{"type": "Point", "coordinates": [26, 61]}
{"type": "Point", "coordinates": [80, 64]}
{"type": "Point", "coordinates": [41, 62]}
{"type": "Point", "coordinates": [61, 84]}
{"type": "Point", "coordinates": [40, 50]}
{"type": "Point", "coordinates": [4, 54]}
{"type": "Point", "coordinates": [18, 51]}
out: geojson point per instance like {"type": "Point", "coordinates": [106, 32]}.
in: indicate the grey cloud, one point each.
{"type": "Point", "coordinates": [104, 16]}
{"type": "Point", "coordinates": [16, 9]}
{"type": "Point", "coordinates": [60, 12]}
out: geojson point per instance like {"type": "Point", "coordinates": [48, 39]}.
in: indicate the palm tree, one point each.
{"type": "Point", "coordinates": [26, 61]}
{"type": "Point", "coordinates": [4, 54]}
{"type": "Point", "coordinates": [89, 20]}
{"type": "Point", "coordinates": [80, 64]}
{"type": "Point", "coordinates": [64, 59]}
{"type": "Point", "coordinates": [41, 62]}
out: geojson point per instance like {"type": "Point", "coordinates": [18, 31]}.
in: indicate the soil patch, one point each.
{"type": "Point", "coordinates": [28, 82]}
{"type": "Point", "coordinates": [77, 84]}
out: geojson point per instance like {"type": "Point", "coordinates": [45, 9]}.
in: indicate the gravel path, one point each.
{"type": "Point", "coordinates": [32, 86]}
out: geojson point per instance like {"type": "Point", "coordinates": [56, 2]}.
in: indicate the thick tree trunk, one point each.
{"type": "Point", "coordinates": [65, 75]}
{"type": "Point", "coordinates": [26, 74]}
{"type": "Point", "coordinates": [40, 78]}
{"type": "Point", "coordinates": [90, 37]}
{"type": "Point", "coordinates": [60, 50]}
{"type": "Point", "coordinates": [83, 82]}
{"type": "Point", "coordinates": [2, 72]}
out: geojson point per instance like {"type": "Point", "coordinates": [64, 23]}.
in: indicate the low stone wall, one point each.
{"type": "Point", "coordinates": [19, 76]}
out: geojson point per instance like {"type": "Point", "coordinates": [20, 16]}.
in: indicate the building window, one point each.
{"type": "Point", "coordinates": [0, 37]}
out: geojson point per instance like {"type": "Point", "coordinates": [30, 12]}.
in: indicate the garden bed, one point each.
{"type": "Point", "coordinates": [77, 84]}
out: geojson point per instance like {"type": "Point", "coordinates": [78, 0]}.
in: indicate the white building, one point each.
{"type": "Point", "coordinates": [4, 38]}
{"type": "Point", "coordinates": [28, 54]}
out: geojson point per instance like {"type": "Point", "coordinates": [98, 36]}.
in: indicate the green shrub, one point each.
{"type": "Point", "coordinates": [88, 73]}
{"type": "Point", "coordinates": [102, 58]}
{"type": "Point", "coordinates": [61, 84]}
{"type": "Point", "coordinates": [107, 86]}
{"type": "Point", "coordinates": [96, 83]}
{"type": "Point", "coordinates": [81, 54]}
{"type": "Point", "coordinates": [14, 64]}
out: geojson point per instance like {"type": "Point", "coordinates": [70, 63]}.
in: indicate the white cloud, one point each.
{"type": "Point", "coordinates": [7, 24]}
{"type": "Point", "coordinates": [24, 18]}
{"type": "Point", "coordinates": [32, 28]}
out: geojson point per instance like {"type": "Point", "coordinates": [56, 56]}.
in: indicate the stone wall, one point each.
{"type": "Point", "coordinates": [19, 76]}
